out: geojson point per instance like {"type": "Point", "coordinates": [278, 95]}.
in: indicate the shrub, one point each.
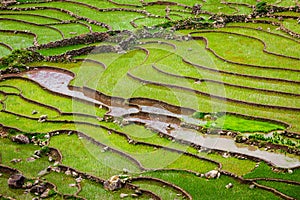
{"type": "Point", "coordinates": [261, 7]}
{"type": "Point", "coordinates": [18, 58]}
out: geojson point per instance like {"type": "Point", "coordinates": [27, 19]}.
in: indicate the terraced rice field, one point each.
{"type": "Point", "coordinates": [114, 99]}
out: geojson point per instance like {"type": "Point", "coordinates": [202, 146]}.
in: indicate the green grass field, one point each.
{"type": "Point", "coordinates": [107, 91]}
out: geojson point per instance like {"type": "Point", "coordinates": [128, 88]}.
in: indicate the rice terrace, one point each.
{"type": "Point", "coordinates": [150, 99]}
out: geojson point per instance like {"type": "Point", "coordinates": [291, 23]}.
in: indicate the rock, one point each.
{"type": "Point", "coordinates": [78, 180]}
{"type": "Point", "coordinates": [16, 181]}
{"type": "Point", "coordinates": [72, 185]}
{"type": "Point", "coordinates": [125, 171]}
{"type": "Point", "coordinates": [240, 139]}
{"type": "Point", "coordinates": [114, 183]}
{"type": "Point", "coordinates": [212, 174]}
{"type": "Point", "coordinates": [38, 189]}
{"type": "Point", "coordinates": [34, 112]}
{"type": "Point", "coordinates": [252, 186]}
{"type": "Point", "coordinates": [229, 185]}
{"type": "Point", "coordinates": [45, 194]}
{"type": "Point", "coordinates": [38, 153]}
{"type": "Point", "coordinates": [43, 172]}
{"type": "Point", "coordinates": [74, 174]}
{"type": "Point", "coordinates": [225, 155]}
{"type": "Point", "coordinates": [43, 118]}
{"type": "Point", "coordinates": [21, 139]}
{"type": "Point", "coordinates": [134, 195]}
{"type": "Point", "coordinates": [68, 172]}
{"type": "Point", "coordinates": [138, 192]}
{"type": "Point", "coordinates": [123, 195]}
{"type": "Point", "coordinates": [105, 148]}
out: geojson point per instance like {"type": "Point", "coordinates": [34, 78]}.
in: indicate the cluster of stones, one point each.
{"type": "Point", "coordinates": [37, 187]}
{"type": "Point", "coordinates": [220, 20]}
{"type": "Point", "coordinates": [125, 40]}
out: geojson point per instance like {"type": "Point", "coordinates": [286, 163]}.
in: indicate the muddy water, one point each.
{"type": "Point", "coordinates": [58, 80]}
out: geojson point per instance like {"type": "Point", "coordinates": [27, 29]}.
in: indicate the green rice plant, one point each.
{"type": "Point", "coordinates": [292, 25]}
{"type": "Point", "coordinates": [18, 105]}
{"type": "Point", "coordinates": [4, 51]}
{"type": "Point", "coordinates": [11, 150]}
{"type": "Point", "coordinates": [17, 41]}
{"type": "Point", "coordinates": [29, 18]}
{"type": "Point", "coordinates": [64, 104]}
{"type": "Point", "coordinates": [13, 193]}
{"type": "Point", "coordinates": [288, 189]}
{"type": "Point", "coordinates": [93, 160]}
{"type": "Point", "coordinates": [245, 50]}
{"type": "Point", "coordinates": [265, 171]}
{"type": "Point", "coordinates": [71, 30]}
{"type": "Point", "coordinates": [235, 123]}
{"type": "Point", "coordinates": [213, 188]}
{"type": "Point", "coordinates": [272, 41]}
{"type": "Point", "coordinates": [246, 95]}
{"type": "Point", "coordinates": [53, 13]}
{"type": "Point", "coordinates": [62, 182]}
{"type": "Point", "coordinates": [44, 33]}
{"type": "Point", "coordinates": [8, 89]}
{"type": "Point", "coordinates": [161, 190]}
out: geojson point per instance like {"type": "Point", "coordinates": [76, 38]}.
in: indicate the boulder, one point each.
{"type": "Point", "coordinates": [212, 174]}
{"type": "Point", "coordinates": [43, 118]}
{"type": "Point", "coordinates": [114, 183]}
{"type": "Point", "coordinates": [21, 139]}
{"type": "Point", "coordinates": [38, 189]}
{"type": "Point", "coordinates": [16, 181]}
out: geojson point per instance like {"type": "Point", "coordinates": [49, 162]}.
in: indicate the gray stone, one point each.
{"type": "Point", "coordinates": [16, 160]}
{"type": "Point", "coordinates": [114, 183]}
{"type": "Point", "coordinates": [123, 195]}
{"type": "Point", "coordinates": [21, 139]}
{"type": "Point", "coordinates": [16, 181]}
{"type": "Point", "coordinates": [212, 174]}
{"type": "Point", "coordinates": [229, 185]}
{"type": "Point", "coordinates": [34, 112]}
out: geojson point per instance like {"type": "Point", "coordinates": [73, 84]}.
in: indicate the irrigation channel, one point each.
{"type": "Point", "coordinates": [58, 81]}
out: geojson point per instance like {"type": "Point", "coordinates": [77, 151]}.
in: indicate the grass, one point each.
{"type": "Point", "coordinates": [214, 189]}
{"type": "Point", "coordinates": [162, 190]}
{"type": "Point", "coordinates": [271, 41]}
{"type": "Point", "coordinates": [288, 189]}
{"type": "Point", "coordinates": [113, 80]}
{"type": "Point", "coordinates": [28, 18]}
{"type": "Point", "coordinates": [35, 92]}
{"type": "Point", "coordinates": [245, 50]}
{"type": "Point", "coordinates": [69, 29]}
{"type": "Point", "coordinates": [13, 40]}
{"type": "Point", "coordinates": [265, 171]}
{"type": "Point", "coordinates": [10, 150]}
{"type": "Point", "coordinates": [45, 34]}
{"type": "Point", "coordinates": [18, 105]}
{"type": "Point", "coordinates": [93, 160]}
{"type": "Point", "coordinates": [234, 123]}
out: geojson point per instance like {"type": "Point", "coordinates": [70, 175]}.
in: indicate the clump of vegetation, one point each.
{"type": "Point", "coordinates": [18, 58]}
{"type": "Point", "coordinates": [262, 7]}
{"type": "Point", "coordinates": [276, 138]}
